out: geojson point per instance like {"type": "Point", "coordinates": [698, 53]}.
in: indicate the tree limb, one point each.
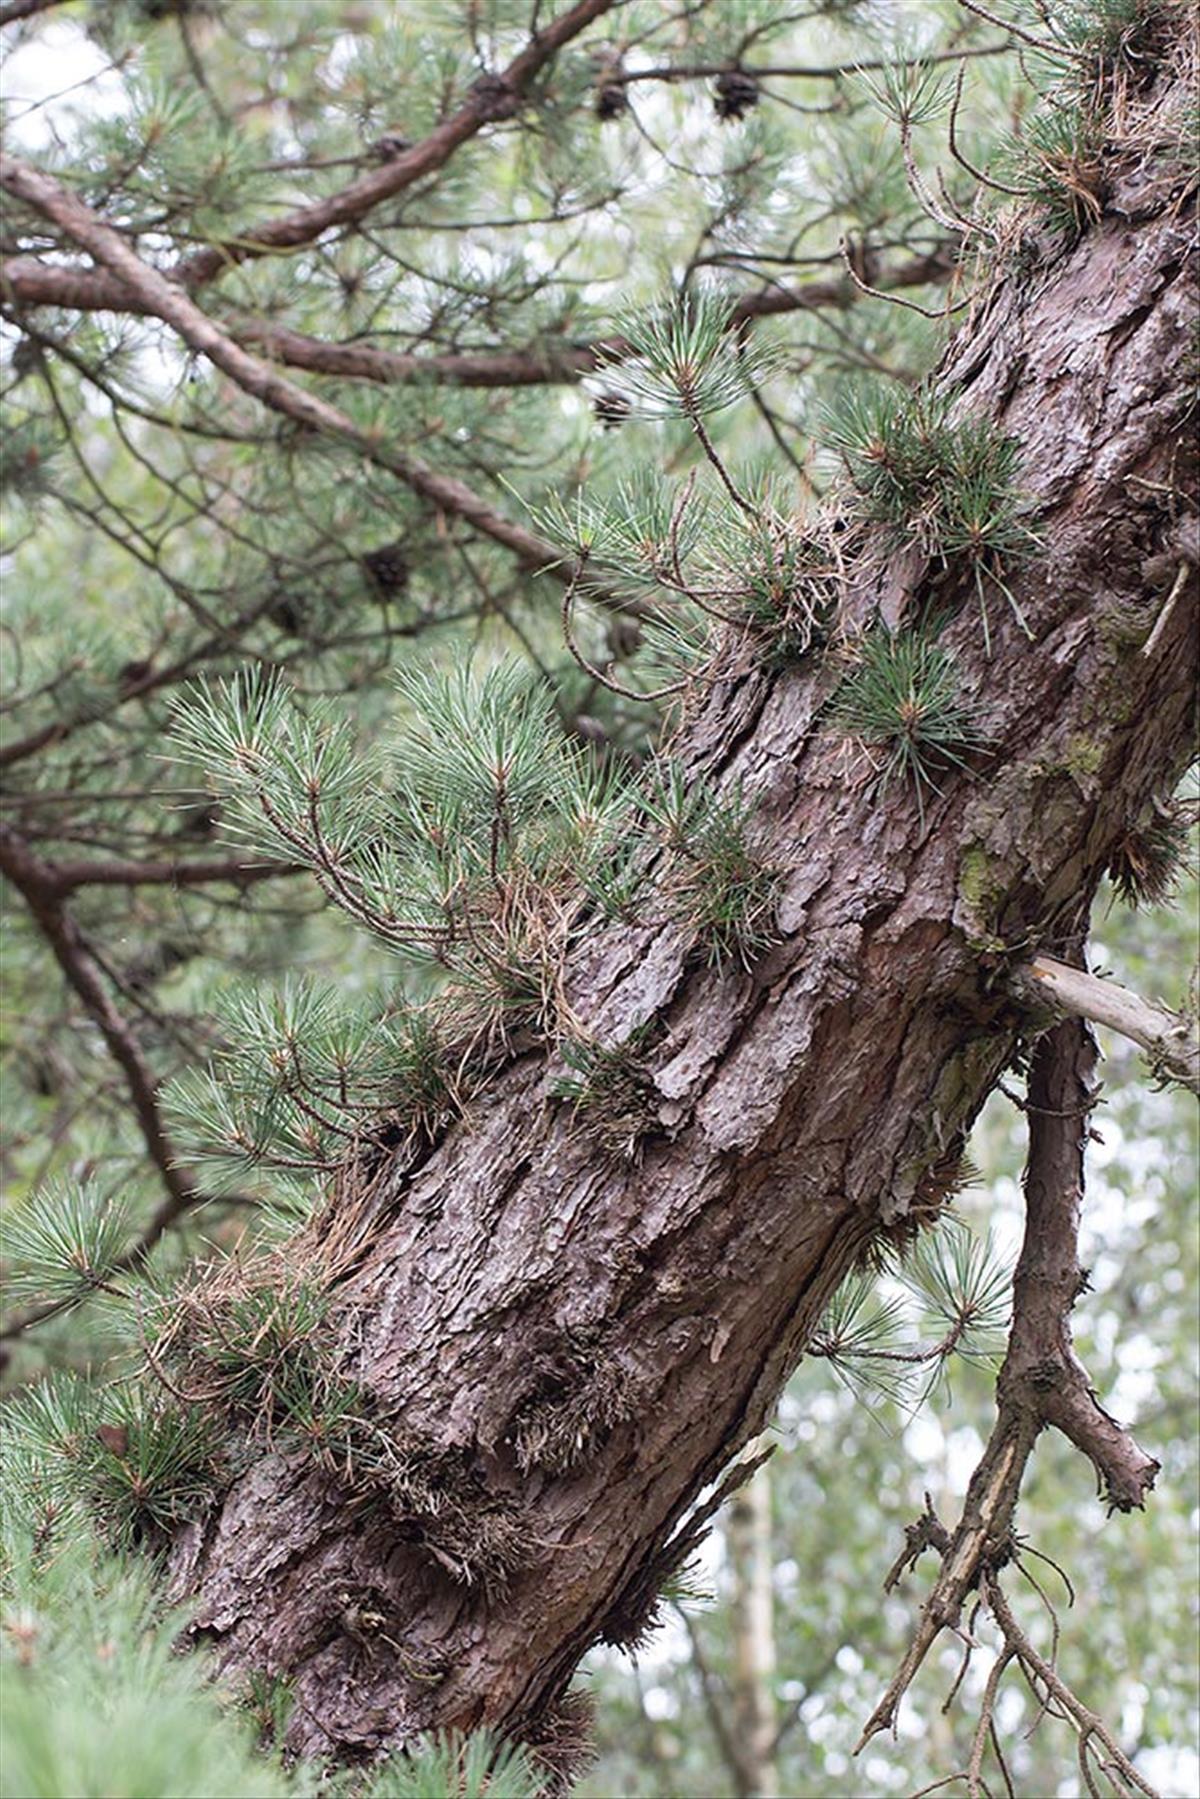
{"type": "Point", "coordinates": [493, 98]}
{"type": "Point", "coordinates": [65, 877]}
{"type": "Point", "coordinates": [27, 281]}
{"type": "Point", "coordinates": [168, 302]}
{"type": "Point", "coordinates": [1042, 1380]}
{"type": "Point", "coordinates": [1042, 1375]}
{"type": "Point", "coordinates": [1170, 1039]}
{"type": "Point", "coordinates": [796, 71]}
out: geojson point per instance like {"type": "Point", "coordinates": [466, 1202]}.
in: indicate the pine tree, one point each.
{"type": "Point", "coordinates": [704, 906]}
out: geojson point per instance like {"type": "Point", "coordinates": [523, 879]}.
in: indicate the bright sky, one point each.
{"type": "Point", "coordinates": [53, 78]}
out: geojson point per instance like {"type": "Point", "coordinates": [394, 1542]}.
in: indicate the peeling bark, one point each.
{"type": "Point", "coordinates": [647, 1312]}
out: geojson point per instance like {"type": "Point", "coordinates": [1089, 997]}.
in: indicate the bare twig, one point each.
{"type": "Point", "coordinates": [956, 151]}
{"type": "Point", "coordinates": [589, 668]}
{"type": "Point", "coordinates": [983, 1729]}
{"type": "Point", "coordinates": [795, 71]}
{"type": "Point", "coordinates": [33, 879]}
{"type": "Point", "coordinates": [1168, 606]}
{"type": "Point", "coordinates": [1059, 51]}
{"type": "Point", "coordinates": [877, 293]}
{"type": "Point", "coordinates": [1017, 1644]}
{"type": "Point", "coordinates": [715, 1700]}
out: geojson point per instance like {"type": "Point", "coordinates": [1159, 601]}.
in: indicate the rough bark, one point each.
{"type": "Point", "coordinates": [517, 1288]}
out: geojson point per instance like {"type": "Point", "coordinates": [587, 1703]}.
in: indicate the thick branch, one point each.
{"type": "Point", "coordinates": [27, 281]}
{"type": "Point", "coordinates": [794, 71]}
{"type": "Point", "coordinates": [493, 98]}
{"type": "Point", "coordinates": [1042, 1376]}
{"type": "Point", "coordinates": [64, 877]}
{"type": "Point", "coordinates": [1170, 1039]}
{"type": "Point", "coordinates": [548, 363]}
{"type": "Point", "coordinates": [168, 302]}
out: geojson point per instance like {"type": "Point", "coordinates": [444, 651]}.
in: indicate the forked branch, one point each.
{"type": "Point", "coordinates": [1042, 1380]}
{"type": "Point", "coordinates": [1052, 1690]}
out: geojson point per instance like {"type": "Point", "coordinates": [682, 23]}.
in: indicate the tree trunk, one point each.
{"type": "Point", "coordinates": [565, 1347]}
{"type": "Point", "coordinates": [752, 1619]}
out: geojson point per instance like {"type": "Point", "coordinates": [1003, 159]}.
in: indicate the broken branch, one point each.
{"type": "Point", "coordinates": [1170, 1039]}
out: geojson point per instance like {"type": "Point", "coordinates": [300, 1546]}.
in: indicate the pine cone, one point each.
{"type": "Point", "coordinates": [388, 147]}
{"type": "Point", "coordinates": [611, 100]}
{"type": "Point", "coordinates": [495, 96]}
{"type": "Point", "coordinates": [387, 570]}
{"type": "Point", "coordinates": [286, 615]}
{"type": "Point", "coordinates": [611, 409]}
{"type": "Point", "coordinates": [199, 820]}
{"type": "Point", "coordinates": [25, 357]}
{"type": "Point", "coordinates": [132, 674]}
{"type": "Point", "coordinates": [736, 92]}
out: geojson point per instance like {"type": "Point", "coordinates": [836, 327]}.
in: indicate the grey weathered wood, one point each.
{"type": "Point", "coordinates": [1170, 1039]}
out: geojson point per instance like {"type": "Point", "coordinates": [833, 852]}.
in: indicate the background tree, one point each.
{"type": "Point", "coordinates": [291, 489]}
